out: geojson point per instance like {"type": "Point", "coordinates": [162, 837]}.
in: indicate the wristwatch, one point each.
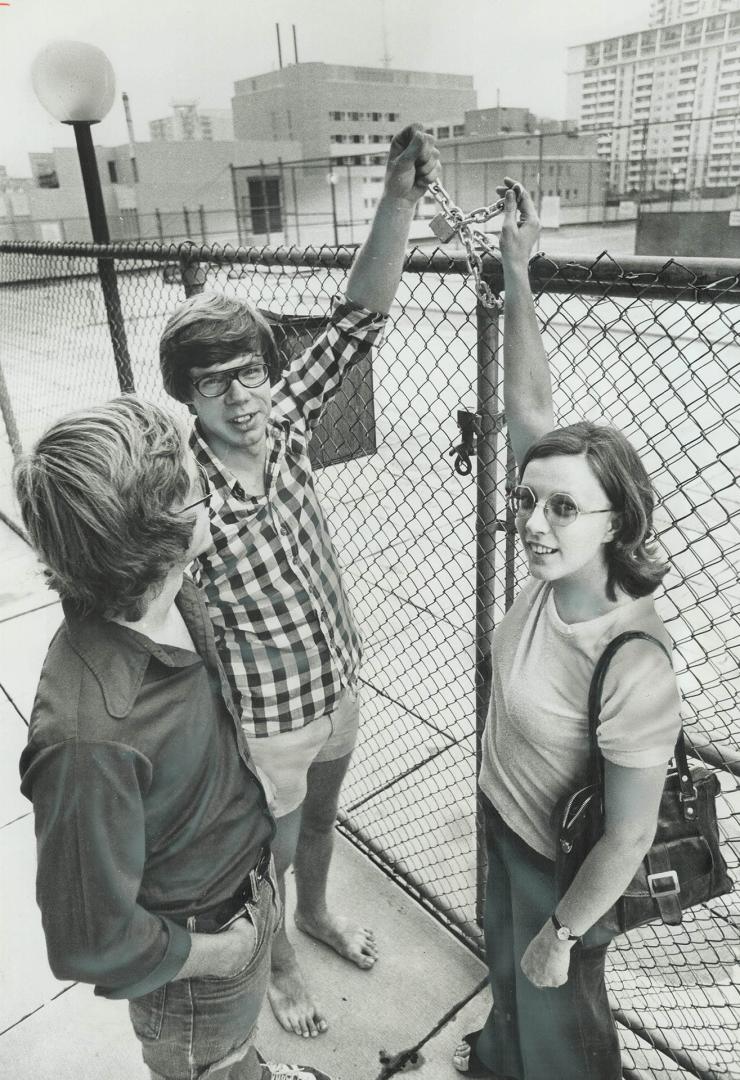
{"type": "Point", "coordinates": [562, 932]}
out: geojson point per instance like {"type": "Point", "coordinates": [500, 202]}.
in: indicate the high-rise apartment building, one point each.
{"type": "Point", "coordinates": [665, 101]}
{"type": "Point", "coordinates": [664, 12]}
{"type": "Point", "coordinates": [188, 122]}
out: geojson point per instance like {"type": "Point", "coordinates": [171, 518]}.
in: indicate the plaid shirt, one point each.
{"type": "Point", "coordinates": [284, 626]}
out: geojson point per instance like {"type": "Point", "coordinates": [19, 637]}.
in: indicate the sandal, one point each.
{"type": "Point", "coordinates": [467, 1062]}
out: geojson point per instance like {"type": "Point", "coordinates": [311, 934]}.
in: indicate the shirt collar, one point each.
{"type": "Point", "coordinates": [221, 475]}
{"type": "Point", "coordinates": [119, 657]}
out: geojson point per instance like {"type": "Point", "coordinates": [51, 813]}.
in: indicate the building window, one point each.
{"type": "Point", "coordinates": [112, 172]}
{"type": "Point", "coordinates": [337, 138]}
{"type": "Point", "coordinates": [392, 117]}
{"type": "Point", "coordinates": [443, 132]}
{"type": "Point", "coordinates": [264, 204]}
{"type": "Point", "coordinates": [458, 130]}
{"type": "Point", "coordinates": [376, 116]}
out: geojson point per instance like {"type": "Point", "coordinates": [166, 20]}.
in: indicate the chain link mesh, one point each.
{"type": "Point", "coordinates": [653, 350]}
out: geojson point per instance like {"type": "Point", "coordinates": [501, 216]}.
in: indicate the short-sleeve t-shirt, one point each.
{"type": "Point", "coordinates": [535, 745]}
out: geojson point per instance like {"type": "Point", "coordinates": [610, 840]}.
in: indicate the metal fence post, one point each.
{"type": "Point", "coordinates": [487, 321]}
{"type": "Point", "coordinates": [237, 212]}
{"type": "Point", "coordinates": [193, 273]}
{"type": "Point", "coordinates": [6, 409]}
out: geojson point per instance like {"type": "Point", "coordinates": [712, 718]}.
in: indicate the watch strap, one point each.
{"type": "Point", "coordinates": [559, 926]}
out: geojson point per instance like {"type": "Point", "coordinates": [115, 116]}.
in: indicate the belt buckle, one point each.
{"type": "Point", "coordinates": [663, 884]}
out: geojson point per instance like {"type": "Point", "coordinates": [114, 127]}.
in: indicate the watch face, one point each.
{"type": "Point", "coordinates": [563, 933]}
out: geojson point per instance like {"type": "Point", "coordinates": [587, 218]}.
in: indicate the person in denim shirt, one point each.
{"type": "Point", "coordinates": [155, 879]}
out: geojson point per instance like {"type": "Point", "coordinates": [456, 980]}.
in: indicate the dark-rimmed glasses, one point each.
{"type": "Point", "coordinates": [251, 375]}
{"type": "Point", "coordinates": [559, 509]}
{"type": "Point", "coordinates": [205, 488]}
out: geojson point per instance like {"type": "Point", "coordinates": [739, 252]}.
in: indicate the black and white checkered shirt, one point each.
{"type": "Point", "coordinates": [284, 626]}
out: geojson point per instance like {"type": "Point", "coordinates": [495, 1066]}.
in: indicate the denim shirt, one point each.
{"type": "Point", "coordinates": [146, 806]}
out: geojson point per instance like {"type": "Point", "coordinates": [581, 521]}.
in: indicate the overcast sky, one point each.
{"type": "Point", "coordinates": [166, 49]}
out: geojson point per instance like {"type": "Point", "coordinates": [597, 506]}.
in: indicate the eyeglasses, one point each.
{"type": "Point", "coordinates": [559, 509]}
{"type": "Point", "coordinates": [255, 373]}
{"type": "Point", "coordinates": [205, 488]}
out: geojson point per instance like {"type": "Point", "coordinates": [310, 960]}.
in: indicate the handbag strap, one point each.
{"type": "Point", "coordinates": [596, 760]}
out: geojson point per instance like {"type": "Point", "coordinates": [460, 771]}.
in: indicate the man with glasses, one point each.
{"type": "Point", "coordinates": [284, 627]}
{"type": "Point", "coordinates": [153, 830]}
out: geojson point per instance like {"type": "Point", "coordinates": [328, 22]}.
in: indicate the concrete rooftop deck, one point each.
{"type": "Point", "coordinates": [59, 1030]}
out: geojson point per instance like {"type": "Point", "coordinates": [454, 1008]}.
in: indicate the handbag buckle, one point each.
{"type": "Point", "coordinates": [663, 884]}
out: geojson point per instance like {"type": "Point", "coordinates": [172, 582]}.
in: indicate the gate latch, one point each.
{"type": "Point", "coordinates": [469, 425]}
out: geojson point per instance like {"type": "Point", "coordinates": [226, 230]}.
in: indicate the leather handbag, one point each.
{"type": "Point", "coordinates": [684, 866]}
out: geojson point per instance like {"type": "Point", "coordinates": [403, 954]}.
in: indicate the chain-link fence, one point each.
{"type": "Point", "coordinates": [429, 554]}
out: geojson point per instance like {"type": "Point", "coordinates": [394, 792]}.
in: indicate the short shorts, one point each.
{"type": "Point", "coordinates": [283, 760]}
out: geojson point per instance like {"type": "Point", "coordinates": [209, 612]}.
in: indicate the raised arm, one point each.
{"type": "Point", "coordinates": [413, 161]}
{"type": "Point", "coordinates": [527, 391]}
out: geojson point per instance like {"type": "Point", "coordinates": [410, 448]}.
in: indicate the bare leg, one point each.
{"type": "Point", "coordinates": [312, 859]}
{"type": "Point", "coordinates": [294, 1007]}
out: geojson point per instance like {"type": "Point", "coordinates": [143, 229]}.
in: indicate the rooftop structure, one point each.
{"type": "Point", "coordinates": [189, 122]}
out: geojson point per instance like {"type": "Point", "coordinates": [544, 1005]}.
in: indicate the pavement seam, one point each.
{"type": "Point", "coordinates": [19, 818]}
{"type": "Point", "coordinates": [7, 695]}
{"type": "Point", "coordinates": [38, 1008]}
{"type": "Point", "coordinates": [30, 611]}
{"type": "Point", "coordinates": [396, 1063]}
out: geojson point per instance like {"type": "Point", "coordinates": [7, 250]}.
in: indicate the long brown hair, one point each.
{"type": "Point", "coordinates": [633, 561]}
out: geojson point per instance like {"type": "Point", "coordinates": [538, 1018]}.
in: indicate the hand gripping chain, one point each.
{"type": "Point", "coordinates": [452, 221]}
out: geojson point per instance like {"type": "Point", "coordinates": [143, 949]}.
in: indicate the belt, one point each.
{"type": "Point", "coordinates": [222, 915]}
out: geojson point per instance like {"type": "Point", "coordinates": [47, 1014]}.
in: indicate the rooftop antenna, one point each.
{"type": "Point", "coordinates": [280, 51]}
{"type": "Point", "coordinates": [385, 59]}
{"type": "Point", "coordinates": [295, 45]}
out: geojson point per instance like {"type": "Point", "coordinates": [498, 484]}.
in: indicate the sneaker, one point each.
{"type": "Point", "coordinates": [273, 1070]}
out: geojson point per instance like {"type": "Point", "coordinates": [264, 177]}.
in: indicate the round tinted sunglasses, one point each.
{"type": "Point", "coordinates": [251, 375]}
{"type": "Point", "coordinates": [559, 509]}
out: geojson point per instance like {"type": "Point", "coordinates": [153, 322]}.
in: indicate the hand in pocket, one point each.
{"type": "Point", "coordinates": [241, 939]}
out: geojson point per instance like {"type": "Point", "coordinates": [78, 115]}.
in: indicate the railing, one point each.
{"type": "Point", "coordinates": [429, 555]}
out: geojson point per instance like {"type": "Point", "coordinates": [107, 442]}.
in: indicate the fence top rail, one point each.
{"type": "Point", "coordinates": [628, 275]}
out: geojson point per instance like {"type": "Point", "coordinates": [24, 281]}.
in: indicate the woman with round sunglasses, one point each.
{"type": "Point", "coordinates": [583, 508]}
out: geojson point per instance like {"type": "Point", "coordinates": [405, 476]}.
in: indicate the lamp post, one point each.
{"type": "Point", "coordinates": [674, 181]}
{"type": "Point", "coordinates": [76, 85]}
{"type": "Point", "coordinates": [331, 180]}
{"type": "Point", "coordinates": [540, 139]}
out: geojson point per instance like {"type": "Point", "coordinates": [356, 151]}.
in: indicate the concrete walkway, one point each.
{"type": "Point", "coordinates": [56, 1031]}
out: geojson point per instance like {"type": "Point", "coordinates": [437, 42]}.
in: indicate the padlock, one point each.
{"type": "Point", "coordinates": [442, 229]}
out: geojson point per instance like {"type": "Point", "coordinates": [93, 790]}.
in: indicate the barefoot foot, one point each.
{"type": "Point", "coordinates": [293, 1005]}
{"type": "Point", "coordinates": [353, 942]}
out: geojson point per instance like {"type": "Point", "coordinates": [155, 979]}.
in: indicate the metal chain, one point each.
{"type": "Point", "coordinates": [452, 221]}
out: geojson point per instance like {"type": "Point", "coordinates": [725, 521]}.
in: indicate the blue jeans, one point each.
{"type": "Point", "coordinates": [531, 1033]}
{"type": "Point", "coordinates": [193, 1028]}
